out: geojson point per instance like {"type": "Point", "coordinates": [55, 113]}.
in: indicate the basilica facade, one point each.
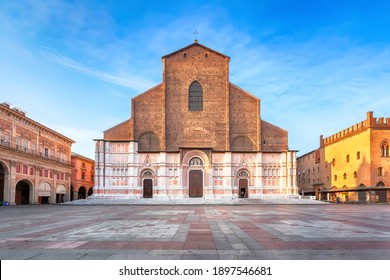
{"type": "Point", "coordinates": [195, 135]}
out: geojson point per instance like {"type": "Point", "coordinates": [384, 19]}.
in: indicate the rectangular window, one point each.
{"type": "Point", "coordinates": [32, 171]}
{"type": "Point", "coordinates": [83, 175]}
{"type": "Point", "coordinates": [17, 143]}
{"type": "Point", "coordinates": [25, 169]}
{"type": "Point", "coordinates": [25, 146]}
{"type": "Point", "coordinates": [46, 152]}
{"type": "Point", "coordinates": [46, 173]}
{"type": "Point", "coordinates": [6, 139]}
{"type": "Point", "coordinates": [18, 168]}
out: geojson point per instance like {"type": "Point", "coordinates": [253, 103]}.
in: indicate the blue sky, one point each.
{"type": "Point", "coordinates": [317, 66]}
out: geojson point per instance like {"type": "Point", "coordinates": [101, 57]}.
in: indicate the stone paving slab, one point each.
{"type": "Point", "coordinates": [207, 231]}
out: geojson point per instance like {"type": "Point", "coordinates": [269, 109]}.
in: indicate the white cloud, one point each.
{"type": "Point", "coordinates": [135, 82]}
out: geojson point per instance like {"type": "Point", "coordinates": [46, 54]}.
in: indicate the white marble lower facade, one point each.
{"type": "Point", "coordinates": [122, 172]}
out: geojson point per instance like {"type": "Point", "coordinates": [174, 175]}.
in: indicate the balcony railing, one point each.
{"type": "Point", "coordinates": [26, 150]}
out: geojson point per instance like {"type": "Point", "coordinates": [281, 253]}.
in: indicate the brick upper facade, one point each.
{"type": "Point", "coordinates": [230, 115]}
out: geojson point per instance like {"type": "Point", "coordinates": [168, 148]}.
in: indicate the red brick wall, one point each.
{"type": "Point", "coordinates": [273, 138]}
{"type": "Point", "coordinates": [122, 131]}
{"type": "Point", "coordinates": [210, 127]}
{"type": "Point", "coordinates": [244, 115]}
{"type": "Point", "coordinates": [148, 113]}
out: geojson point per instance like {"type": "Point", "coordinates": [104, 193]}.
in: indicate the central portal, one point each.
{"type": "Point", "coordinates": [196, 183]}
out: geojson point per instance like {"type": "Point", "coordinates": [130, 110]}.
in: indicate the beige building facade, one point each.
{"type": "Point", "coordinates": [195, 135]}
{"type": "Point", "coordinates": [34, 160]}
{"type": "Point", "coordinates": [352, 165]}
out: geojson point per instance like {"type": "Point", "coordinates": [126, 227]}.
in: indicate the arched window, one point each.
{"type": "Point", "coordinates": [242, 143]}
{"type": "Point", "coordinates": [196, 162]}
{"type": "Point", "coordinates": [345, 176]}
{"type": "Point", "coordinates": [149, 142]}
{"type": "Point", "coordinates": [147, 173]}
{"type": "Point", "coordinates": [243, 173]}
{"type": "Point", "coordinates": [347, 158]}
{"type": "Point", "coordinates": [335, 177]}
{"type": "Point", "coordinates": [195, 97]}
{"type": "Point", "coordinates": [385, 148]}
{"type": "Point", "coordinates": [358, 155]}
{"type": "Point", "coordinates": [355, 175]}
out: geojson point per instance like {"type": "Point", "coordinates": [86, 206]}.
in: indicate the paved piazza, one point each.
{"type": "Point", "coordinates": [265, 231]}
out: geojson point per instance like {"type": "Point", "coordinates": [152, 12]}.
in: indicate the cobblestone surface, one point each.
{"type": "Point", "coordinates": [244, 231]}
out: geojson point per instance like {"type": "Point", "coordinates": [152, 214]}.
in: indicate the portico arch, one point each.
{"type": "Point", "coordinates": [4, 181]}
{"type": "Point", "coordinates": [44, 193]}
{"type": "Point", "coordinates": [60, 193]}
{"type": "Point", "coordinates": [82, 193]}
{"type": "Point", "coordinates": [23, 192]}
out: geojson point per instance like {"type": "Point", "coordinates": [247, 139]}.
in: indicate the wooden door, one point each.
{"type": "Point", "coordinates": [196, 183]}
{"type": "Point", "coordinates": [243, 188]}
{"type": "Point", "coordinates": [148, 188]}
{"type": "Point", "coordinates": [382, 195]}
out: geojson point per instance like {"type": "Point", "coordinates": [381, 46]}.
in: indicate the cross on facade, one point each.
{"type": "Point", "coordinates": [196, 33]}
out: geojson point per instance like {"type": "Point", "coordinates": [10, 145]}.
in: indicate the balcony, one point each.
{"type": "Point", "coordinates": [25, 150]}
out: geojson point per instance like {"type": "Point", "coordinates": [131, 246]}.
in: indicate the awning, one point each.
{"type": "Point", "coordinates": [356, 189]}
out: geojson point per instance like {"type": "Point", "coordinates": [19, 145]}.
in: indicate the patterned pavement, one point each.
{"type": "Point", "coordinates": [265, 231]}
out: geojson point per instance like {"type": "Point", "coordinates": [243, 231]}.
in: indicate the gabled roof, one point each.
{"type": "Point", "coordinates": [193, 45]}
{"type": "Point", "coordinates": [117, 126]}
{"type": "Point", "coordinates": [244, 91]}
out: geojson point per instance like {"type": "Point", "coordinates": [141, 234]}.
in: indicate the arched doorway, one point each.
{"type": "Point", "coordinates": [44, 193]}
{"type": "Point", "coordinates": [243, 183]}
{"type": "Point", "coordinates": [90, 192]}
{"type": "Point", "coordinates": [82, 193]}
{"type": "Point", "coordinates": [381, 195]}
{"type": "Point", "coordinates": [147, 184]}
{"type": "Point", "coordinates": [60, 193]}
{"type": "Point", "coordinates": [22, 192]}
{"type": "Point", "coordinates": [195, 181]}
